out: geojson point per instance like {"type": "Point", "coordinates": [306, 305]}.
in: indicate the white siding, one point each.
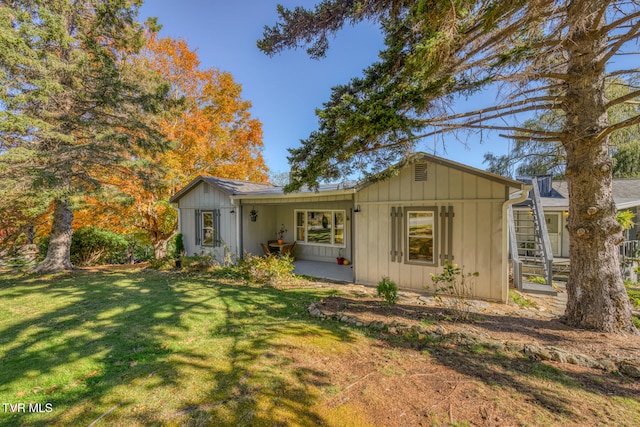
{"type": "Point", "coordinates": [476, 228]}
{"type": "Point", "coordinates": [204, 197]}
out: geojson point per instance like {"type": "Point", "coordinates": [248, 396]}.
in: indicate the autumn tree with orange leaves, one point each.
{"type": "Point", "coordinates": [214, 134]}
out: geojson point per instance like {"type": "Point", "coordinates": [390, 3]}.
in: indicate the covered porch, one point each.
{"type": "Point", "coordinates": [324, 270]}
{"type": "Point", "coordinates": [319, 224]}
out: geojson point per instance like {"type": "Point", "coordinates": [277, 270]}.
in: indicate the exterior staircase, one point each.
{"type": "Point", "coordinates": [529, 245]}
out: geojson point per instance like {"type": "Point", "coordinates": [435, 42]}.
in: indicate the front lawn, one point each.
{"type": "Point", "coordinates": [139, 348]}
{"type": "Point", "coordinates": [150, 347]}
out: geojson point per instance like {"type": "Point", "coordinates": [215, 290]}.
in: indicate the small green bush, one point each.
{"type": "Point", "coordinates": [388, 290]}
{"type": "Point", "coordinates": [625, 219]}
{"type": "Point", "coordinates": [178, 249]}
{"type": "Point", "coordinates": [457, 286]}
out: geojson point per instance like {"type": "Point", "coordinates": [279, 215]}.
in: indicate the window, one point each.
{"type": "Point", "coordinates": [325, 227]}
{"type": "Point", "coordinates": [208, 228]}
{"type": "Point", "coordinates": [420, 233]}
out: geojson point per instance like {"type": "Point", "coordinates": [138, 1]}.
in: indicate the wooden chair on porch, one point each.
{"type": "Point", "coordinates": [266, 249]}
{"type": "Point", "coordinates": [288, 249]}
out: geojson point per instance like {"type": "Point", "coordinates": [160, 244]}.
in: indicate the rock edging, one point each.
{"type": "Point", "coordinates": [628, 367]}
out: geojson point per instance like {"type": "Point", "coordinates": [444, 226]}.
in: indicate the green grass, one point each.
{"type": "Point", "coordinates": [634, 297]}
{"type": "Point", "coordinates": [521, 300]}
{"type": "Point", "coordinates": [152, 347]}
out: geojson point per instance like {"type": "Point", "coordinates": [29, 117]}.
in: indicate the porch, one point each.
{"type": "Point", "coordinates": [324, 270]}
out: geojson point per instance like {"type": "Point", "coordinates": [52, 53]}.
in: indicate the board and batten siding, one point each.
{"type": "Point", "coordinates": [476, 228]}
{"type": "Point", "coordinates": [207, 197]}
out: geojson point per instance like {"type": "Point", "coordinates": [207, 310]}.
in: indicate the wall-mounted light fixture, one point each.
{"type": "Point", "coordinates": [232, 211]}
{"type": "Point", "coordinates": [357, 209]}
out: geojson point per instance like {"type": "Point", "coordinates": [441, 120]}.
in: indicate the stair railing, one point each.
{"type": "Point", "coordinates": [513, 251]}
{"type": "Point", "coordinates": [541, 231]}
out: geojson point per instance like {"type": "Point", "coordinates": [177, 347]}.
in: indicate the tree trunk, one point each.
{"type": "Point", "coordinates": [160, 241]}
{"type": "Point", "coordinates": [160, 248]}
{"type": "Point", "coordinates": [597, 298]}
{"type": "Point", "coordinates": [59, 252]}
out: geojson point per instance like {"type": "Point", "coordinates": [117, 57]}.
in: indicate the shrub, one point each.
{"type": "Point", "coordinates": [97, 246]}
{"type": "Point", "coordinates": [142, 251]}
{"type": "Point", "coordinates": [94, 246]}
{"type": "Point", "coordinates": [625, 219]}
{"type": "Point", "coordinates": [178, 249]}
{"type": "Point", "coordinates": [268, 270]}
{"type": "Point", "coordinates": [458, 286]}
{"type": "Point", "coordinates": [388, 290]}
{"type": "Point", "coordinates": [197, 263]}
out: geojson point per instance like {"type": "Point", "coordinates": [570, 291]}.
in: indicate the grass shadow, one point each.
{"type": "Point", "coordinates": [142, 348]}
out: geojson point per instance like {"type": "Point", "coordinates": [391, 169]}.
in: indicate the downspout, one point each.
{"type": "Point", "coordinates": [176, 206]}
{"type": "Point", "coordinates": [237, 206]}
{"type": "Point", "coordinates": [524, 194]}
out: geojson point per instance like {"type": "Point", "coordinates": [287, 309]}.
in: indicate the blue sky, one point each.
{"type": "Point", "coordinates": [286, 89]}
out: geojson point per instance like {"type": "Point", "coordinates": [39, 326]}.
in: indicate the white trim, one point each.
{"type": "Point", "coordinates": [429, 202]}
{"type": "Point", "coordinates": [310, 195]}
{"type": "Point", "coordinates": [305, 242]}
{"type": "Point", "coordinates": [435, 235]}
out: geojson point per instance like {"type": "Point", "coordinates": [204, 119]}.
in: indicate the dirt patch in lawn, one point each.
{"type": "Point", "coordinates": [411, 381]}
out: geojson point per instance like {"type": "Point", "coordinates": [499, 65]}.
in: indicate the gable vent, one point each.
{"type": "Point", "coordinates": [205, 188]}
{"type": "Point", "coordinates": [420, 172]}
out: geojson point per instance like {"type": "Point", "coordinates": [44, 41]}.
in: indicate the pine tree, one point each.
{"type": "Point", "coordinates": [543, 55]}
{"type": "Point", "coordinates": [73, 106]}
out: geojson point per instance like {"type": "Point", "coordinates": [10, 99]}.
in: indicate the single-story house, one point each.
{"type": "Point", "coordinates": [554, 198]}
{"type": "Point", "coordinates": [429, 211]}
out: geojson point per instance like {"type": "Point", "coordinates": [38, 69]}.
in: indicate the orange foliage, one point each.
{"type": "Point", "coordinates": [214, 134]}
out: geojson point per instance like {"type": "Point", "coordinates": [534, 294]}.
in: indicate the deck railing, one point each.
{"type": "Point", "coordinates": [513, 251]}
{"type": "Point", "coordinates": [629, 249]}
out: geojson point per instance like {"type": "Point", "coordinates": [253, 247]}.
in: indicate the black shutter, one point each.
{"type": "Point", "coordinates": [445, 234]}
{"type": "Point", "coordinates": [216, 232]}
{"type": "Point", "coordinates": [198, 229]}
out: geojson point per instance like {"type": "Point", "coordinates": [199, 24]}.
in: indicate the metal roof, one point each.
{"type": "Point", "coordinates": [626, 194]}
{"type": "Point", "coordinates": [238, 188]}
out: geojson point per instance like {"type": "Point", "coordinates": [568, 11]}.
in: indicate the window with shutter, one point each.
{"type": "Point", "coordinates": [420, 236]}
{"type": "Point", "coordinates": [208, 228]}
